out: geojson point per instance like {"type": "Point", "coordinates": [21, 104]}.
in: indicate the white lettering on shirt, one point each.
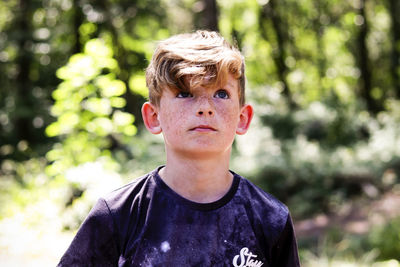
{"type": "Point", "coordinates": [245, 259]}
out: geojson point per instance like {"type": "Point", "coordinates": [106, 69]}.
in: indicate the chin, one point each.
{"type": "Point", "coordinates": [203, 151]}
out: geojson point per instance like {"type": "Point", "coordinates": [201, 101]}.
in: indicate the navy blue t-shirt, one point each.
{"type": "Point", "coordinates": [145, 223]}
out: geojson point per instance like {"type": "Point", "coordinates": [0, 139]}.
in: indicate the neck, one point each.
{"type": "Point", "coordinates": [202, 180]}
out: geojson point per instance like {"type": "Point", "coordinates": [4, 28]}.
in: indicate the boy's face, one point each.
{"type": "Point", "coordinates": [200, 123]}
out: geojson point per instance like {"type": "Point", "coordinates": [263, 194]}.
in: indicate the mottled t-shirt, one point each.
{"type": "Point", "coordinates": [145, 223]}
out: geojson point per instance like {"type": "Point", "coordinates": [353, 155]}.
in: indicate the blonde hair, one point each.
{"type": "Point", "coordinates": [201, 58]}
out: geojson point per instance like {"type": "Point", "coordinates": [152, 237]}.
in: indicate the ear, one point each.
{"type": "Point", "coordinates": [150, 118]}
{"type": "Point", "coordinates": [246, 114]}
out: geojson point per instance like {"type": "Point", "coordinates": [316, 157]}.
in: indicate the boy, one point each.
{"type": "Point", "coordinates": [193, 211]}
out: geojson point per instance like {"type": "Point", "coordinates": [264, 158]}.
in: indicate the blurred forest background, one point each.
{"type": "Point", "coordinates": [324, 77]}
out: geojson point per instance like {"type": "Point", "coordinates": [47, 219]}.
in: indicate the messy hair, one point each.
{"type": "Point", "coordinates": [202, 58]}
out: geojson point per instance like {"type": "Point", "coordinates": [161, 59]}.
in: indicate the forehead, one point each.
{"type": "Point", "coordinates": [232, 82]}
{"type": "Point", "coordinates": [205, 83]}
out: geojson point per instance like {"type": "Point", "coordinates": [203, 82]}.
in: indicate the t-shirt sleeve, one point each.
{"type": "Point", "coordinates": [95, 242]}
{"type": "Point", "coordinates": [285, 253]}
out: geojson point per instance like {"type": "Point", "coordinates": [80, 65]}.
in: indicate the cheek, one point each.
{"type": "Point", "coordinates": [229, 117]}
{"type": "Point", "coordinates": [172, 121]}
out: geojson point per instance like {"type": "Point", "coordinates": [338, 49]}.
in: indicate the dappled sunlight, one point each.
{"type": "Point", "coordinates": [94, 178]}
{"type": "Point", "coordinates": [33, 236]}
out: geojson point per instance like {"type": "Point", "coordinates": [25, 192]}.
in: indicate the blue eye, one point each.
{"type": "Point", "coordinates": [183, 95]}
{"type": "Point", "coordinates": [222, 94]}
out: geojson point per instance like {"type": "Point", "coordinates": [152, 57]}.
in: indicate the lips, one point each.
{"type": "Point", "coordinates": [203, 128]}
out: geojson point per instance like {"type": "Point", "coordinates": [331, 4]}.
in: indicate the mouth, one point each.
{"type": "Point", "coordinates": [203, 128]}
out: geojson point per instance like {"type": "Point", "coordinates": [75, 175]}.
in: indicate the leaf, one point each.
{"type": "Point", "coordinates": [137, 84]}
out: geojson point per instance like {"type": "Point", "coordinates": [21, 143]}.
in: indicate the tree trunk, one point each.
{"type": "Point", "coordinates": [394, 7]}
{"type": "Point", "coordinates": [208, 17]}
{"type": "Point", "coordinates": [23, 123]}
{"type": "Point", "coordinates": [78, 21]}
{"type": "Point", "coordinates": [363, 61]}
{"type": "Point", "coordinates": [270, 10]}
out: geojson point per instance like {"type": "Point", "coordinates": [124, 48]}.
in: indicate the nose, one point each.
{"type": "Point", "coordinates": [205, 107]}
{"type": "Point", "coordinates": [200, 112]}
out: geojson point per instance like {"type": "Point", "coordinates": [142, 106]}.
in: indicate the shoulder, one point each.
{"type": "Point", "coordinates": [127, 194]}
{"type": "Point", "coordinates": [263, 207]}
{"type": "Point", "coordinates": [261, 199]}
{"type": "Point", "coordinates": [102, 235]}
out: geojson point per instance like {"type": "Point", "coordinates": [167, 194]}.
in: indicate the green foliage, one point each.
{"type": "Point", "coordinates": [21, 184]}
{"type": "Point", "coordinates": [315, 159]}
{"type": "Point", "coordinates": [88, 106]}
{"type": "Point", "coordinates": [378, 247]}
{"type": "Point", "coordinates": [385, 238]}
